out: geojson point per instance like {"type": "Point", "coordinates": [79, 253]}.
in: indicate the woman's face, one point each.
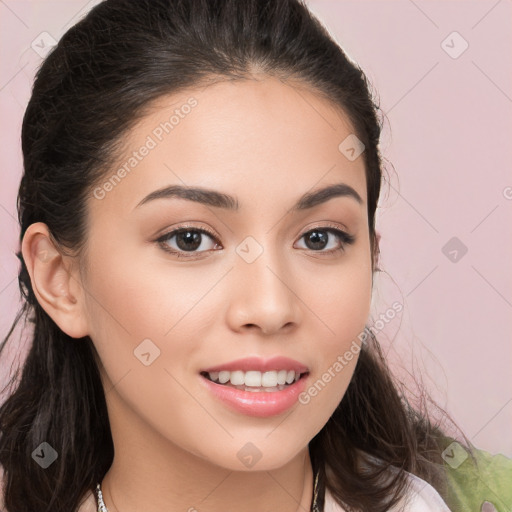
{"type": "Point", "coordinates": [252, 276]}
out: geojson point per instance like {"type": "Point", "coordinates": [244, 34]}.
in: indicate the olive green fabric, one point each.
{"type": "Point", "coordinates": [472, 484]}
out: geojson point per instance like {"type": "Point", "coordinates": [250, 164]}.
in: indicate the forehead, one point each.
{"type": "Point", "coordinates": [255, 136]}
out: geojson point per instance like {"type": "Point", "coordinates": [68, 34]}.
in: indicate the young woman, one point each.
{"type": "Point", "coordinates": [197, 253]}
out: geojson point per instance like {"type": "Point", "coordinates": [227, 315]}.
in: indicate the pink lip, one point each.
{"type": "Point", "coordinates": [258, 364]}
{"type": "Point", "coordinates": [260, 403]}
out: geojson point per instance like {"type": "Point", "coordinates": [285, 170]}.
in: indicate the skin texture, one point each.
{"type": "Point", "coordinates": [176, 445]}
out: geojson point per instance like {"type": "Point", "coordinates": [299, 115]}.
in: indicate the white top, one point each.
{"type": "Point", "coordinates": [422, 497]}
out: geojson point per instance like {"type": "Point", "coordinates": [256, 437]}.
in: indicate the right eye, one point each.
{"type": "Point", "coordinates": [188, 240]}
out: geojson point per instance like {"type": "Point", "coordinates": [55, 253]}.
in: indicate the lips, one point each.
{"type": "Point", "coordinates": [258, 364]}
{"type": "Point", "coordinates": [257, 402]}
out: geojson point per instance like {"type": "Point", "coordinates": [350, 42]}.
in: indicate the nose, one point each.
{"type": "Point", "coordinates": [262, 296]}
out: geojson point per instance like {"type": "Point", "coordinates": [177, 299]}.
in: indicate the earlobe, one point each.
{"type": "Point", "coordinates": [57, 290]}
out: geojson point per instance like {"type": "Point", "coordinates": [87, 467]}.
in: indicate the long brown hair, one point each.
{"type": "Point", "coordinates": [87, 94]}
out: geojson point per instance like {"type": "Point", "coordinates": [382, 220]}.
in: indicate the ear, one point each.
{"type": "Point", "coordinates": [55, 280]}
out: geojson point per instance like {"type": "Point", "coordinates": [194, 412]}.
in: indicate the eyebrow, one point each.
{"type": "Point", "coordinates": [220, 200]}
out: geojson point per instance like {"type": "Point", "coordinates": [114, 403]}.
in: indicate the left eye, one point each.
{"type": "Point", "coordinates": [318, 238]}
{"type": "Point", "coordinates": [187, 240]}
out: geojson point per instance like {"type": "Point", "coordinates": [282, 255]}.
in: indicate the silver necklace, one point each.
{"type": "Point", "coordinates": [102, 507]}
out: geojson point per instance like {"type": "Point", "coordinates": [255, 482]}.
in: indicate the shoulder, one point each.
{"type": "Point", "coordinates": [421, 497]}
{"type": "Point", "coordinates": [89, 503]}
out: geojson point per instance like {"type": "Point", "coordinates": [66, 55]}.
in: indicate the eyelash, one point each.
{"type": "Point", "coordinates": [345, 238]}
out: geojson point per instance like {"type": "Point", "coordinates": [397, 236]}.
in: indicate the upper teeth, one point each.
{"type": "Point", "coordinates": [255, 378]}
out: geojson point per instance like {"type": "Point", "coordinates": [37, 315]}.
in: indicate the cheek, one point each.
{"type": "Point", "coordinates": [133, 296]}
{"type": "Point", "coordinates": [136, 306]}
{"type": "Point", "coordinates": [345, 311]}
{"type": "Point", "coordinates": [140, 324]}
{"type": "Point", "coordinates": [342, 300]}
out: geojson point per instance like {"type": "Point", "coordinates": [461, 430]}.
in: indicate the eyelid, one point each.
{"type": "Point", "coordinates": [325, 225]}
{"type": "Point", "coordinates": [185, 226]}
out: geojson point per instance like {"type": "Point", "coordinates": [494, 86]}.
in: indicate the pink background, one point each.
{"type": "Point", "coordinates": [448, 138]}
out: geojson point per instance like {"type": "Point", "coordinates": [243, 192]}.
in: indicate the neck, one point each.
{"type": "Point", "coordinates": [270, 490]}
{"type": "Point", "coordinates": [149, 472]}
